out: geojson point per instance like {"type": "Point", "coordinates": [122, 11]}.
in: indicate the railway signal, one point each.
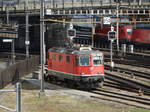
{"type": "Point", "coordinates": [111, 37]}
{"type": "Point", "coordinates": [71, 33]}
{"type": "Point", "coordinates": [112, 34]}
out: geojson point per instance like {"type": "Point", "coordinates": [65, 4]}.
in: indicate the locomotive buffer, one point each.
{"type": "Point", "coordinates": [111, 37]}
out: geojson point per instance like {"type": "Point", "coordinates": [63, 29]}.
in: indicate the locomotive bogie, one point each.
{"type": "Point", "coordinates": [84, 82]}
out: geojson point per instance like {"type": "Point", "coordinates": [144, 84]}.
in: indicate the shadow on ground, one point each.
{"type": "Point", "coordinates": [34, 84]}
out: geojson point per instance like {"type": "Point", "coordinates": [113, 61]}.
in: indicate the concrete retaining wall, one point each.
{"type": "Point", "coordinates": [13, 73]}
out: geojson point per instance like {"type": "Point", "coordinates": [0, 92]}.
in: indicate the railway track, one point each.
{"type": "Point", "coordinates": [117, 91]}
{"type": "Point", "coordinates": [124, 85]}
{"type": "Point", "coordinates": [118, 95]}
{"type": "Point", "coordinates": [135, 93]}
{"type": "Point", "coordinates": [135, 80]}
{"type": "Point", "coordinates": [135, 63]}
{"type": "Point", "coordinates": [122, 98]}
{"type": "Point", "coordinates": [140, 52]}
{"type": "Point", "coordinates": [133, 72]}
{"type": "Point", "coordinates": [131, 83]}
{"type": "Point", "coordinates": [137, 55]}
{"type": "Point", "coordinates": [132, 60]}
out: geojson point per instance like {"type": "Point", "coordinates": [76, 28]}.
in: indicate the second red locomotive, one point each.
{"type": "Point", "coordinates": [81, 67]}
{"type": "Point", "coordinates": [141, 35]}
{"type": "Point", "coordinates": [125, 32]}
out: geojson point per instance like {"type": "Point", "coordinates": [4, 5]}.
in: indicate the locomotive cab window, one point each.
{"type": "Point", "coordinates": [60, 57]}
{"type": "Point", "coordinates": [84, 61]}
{"type": "Point", "coordinates": [77, 60]}
{"type": "Point", "coordinates": [97, 60]}
{"type": "Point", "coordinates": [68, 59]}
{"type": "Point", "coordinates": [49, 56]}
{"type": "Point", "coordinates": [54, 56]}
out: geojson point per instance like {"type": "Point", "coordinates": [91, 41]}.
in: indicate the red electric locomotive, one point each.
{"type": "Point", "coordinates": [81, 67]}
{"type": "Point", "coordinates": [141, 35]}
{"type": "Point", "coordinates": [125, 32]}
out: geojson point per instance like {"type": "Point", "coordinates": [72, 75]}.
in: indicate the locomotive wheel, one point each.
{"type": "Point", "coordinates": [70, 83]}
{"type": "Point", "coordinates": [86, 86]}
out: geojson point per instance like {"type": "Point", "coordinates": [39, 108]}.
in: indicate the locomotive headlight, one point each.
{"type": "Point", "coordinates": [129, 31]}
{"type": "Point", "coordinates": [99, 73]}
{"type": "Point", "coordinates": [82, 73]}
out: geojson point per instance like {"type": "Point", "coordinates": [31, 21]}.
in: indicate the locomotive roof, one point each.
{"type": "Point", "coordinates": [76, 51]}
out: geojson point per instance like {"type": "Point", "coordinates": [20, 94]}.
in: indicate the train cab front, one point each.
{"type": "Point", "coordinates": [90, 67]}
{"type": "Point", "coordinates": [125, 33]}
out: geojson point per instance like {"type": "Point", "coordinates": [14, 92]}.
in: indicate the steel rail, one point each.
{"type": "Point", "coordinates": [130, 71]}
{"type": "Point", "coordinates": [128, 61]}
{"type": "Point", "coordinates": [128, 82]}
{"type": "Point", "coordinates": [120, 102]}
{"type": "Point", "coordinates": [123, 96]}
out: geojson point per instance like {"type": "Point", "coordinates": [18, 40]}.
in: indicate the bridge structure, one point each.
{"type": "Point", "coordinates": [97, 7]}
{"type": "Point", "coordinates": [64, 11]}
{"type": "Point", "coordinates": [27, 14]}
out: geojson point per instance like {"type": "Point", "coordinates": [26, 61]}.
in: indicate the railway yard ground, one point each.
{"type": "Point", "coordinates": [121, 93]}
{"type": "Point", "coordinates": [75, 56]}
{"type": "Point", "coordinates": [59, 99]}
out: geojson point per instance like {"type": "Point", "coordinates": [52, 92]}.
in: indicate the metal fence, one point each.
{"type": "Point", "coordinates": [14, 72]}
{"type": "Point", "coordinates": [18, 98]}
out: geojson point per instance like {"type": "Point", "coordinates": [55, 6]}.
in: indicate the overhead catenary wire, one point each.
{"type": "Point", "coordinates": [93, 22]}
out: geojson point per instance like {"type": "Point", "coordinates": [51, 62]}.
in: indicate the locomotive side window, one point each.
{"type": "Point", "coordinates": [97, 60]}
{"type": "Point", "coordinates": [77, 61]}
{"type": "Point", "coordinates": [68, 59]}
{"type": "Point", "coordinates": [49, 55]}
{"type": "Point", "coordinates": [60, 57]}
{"type": "Point", "coordinates": [84, 60]}
{"type": "Point", "coordinates": [54, 56]}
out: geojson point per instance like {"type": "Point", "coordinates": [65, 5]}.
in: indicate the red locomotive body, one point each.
{"type": "Point", "coordinates": [83, 68]}
{"type": "Point", "coordinates": [125, 32]}
{"type": "Point", "coordinates": [141, 36]}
